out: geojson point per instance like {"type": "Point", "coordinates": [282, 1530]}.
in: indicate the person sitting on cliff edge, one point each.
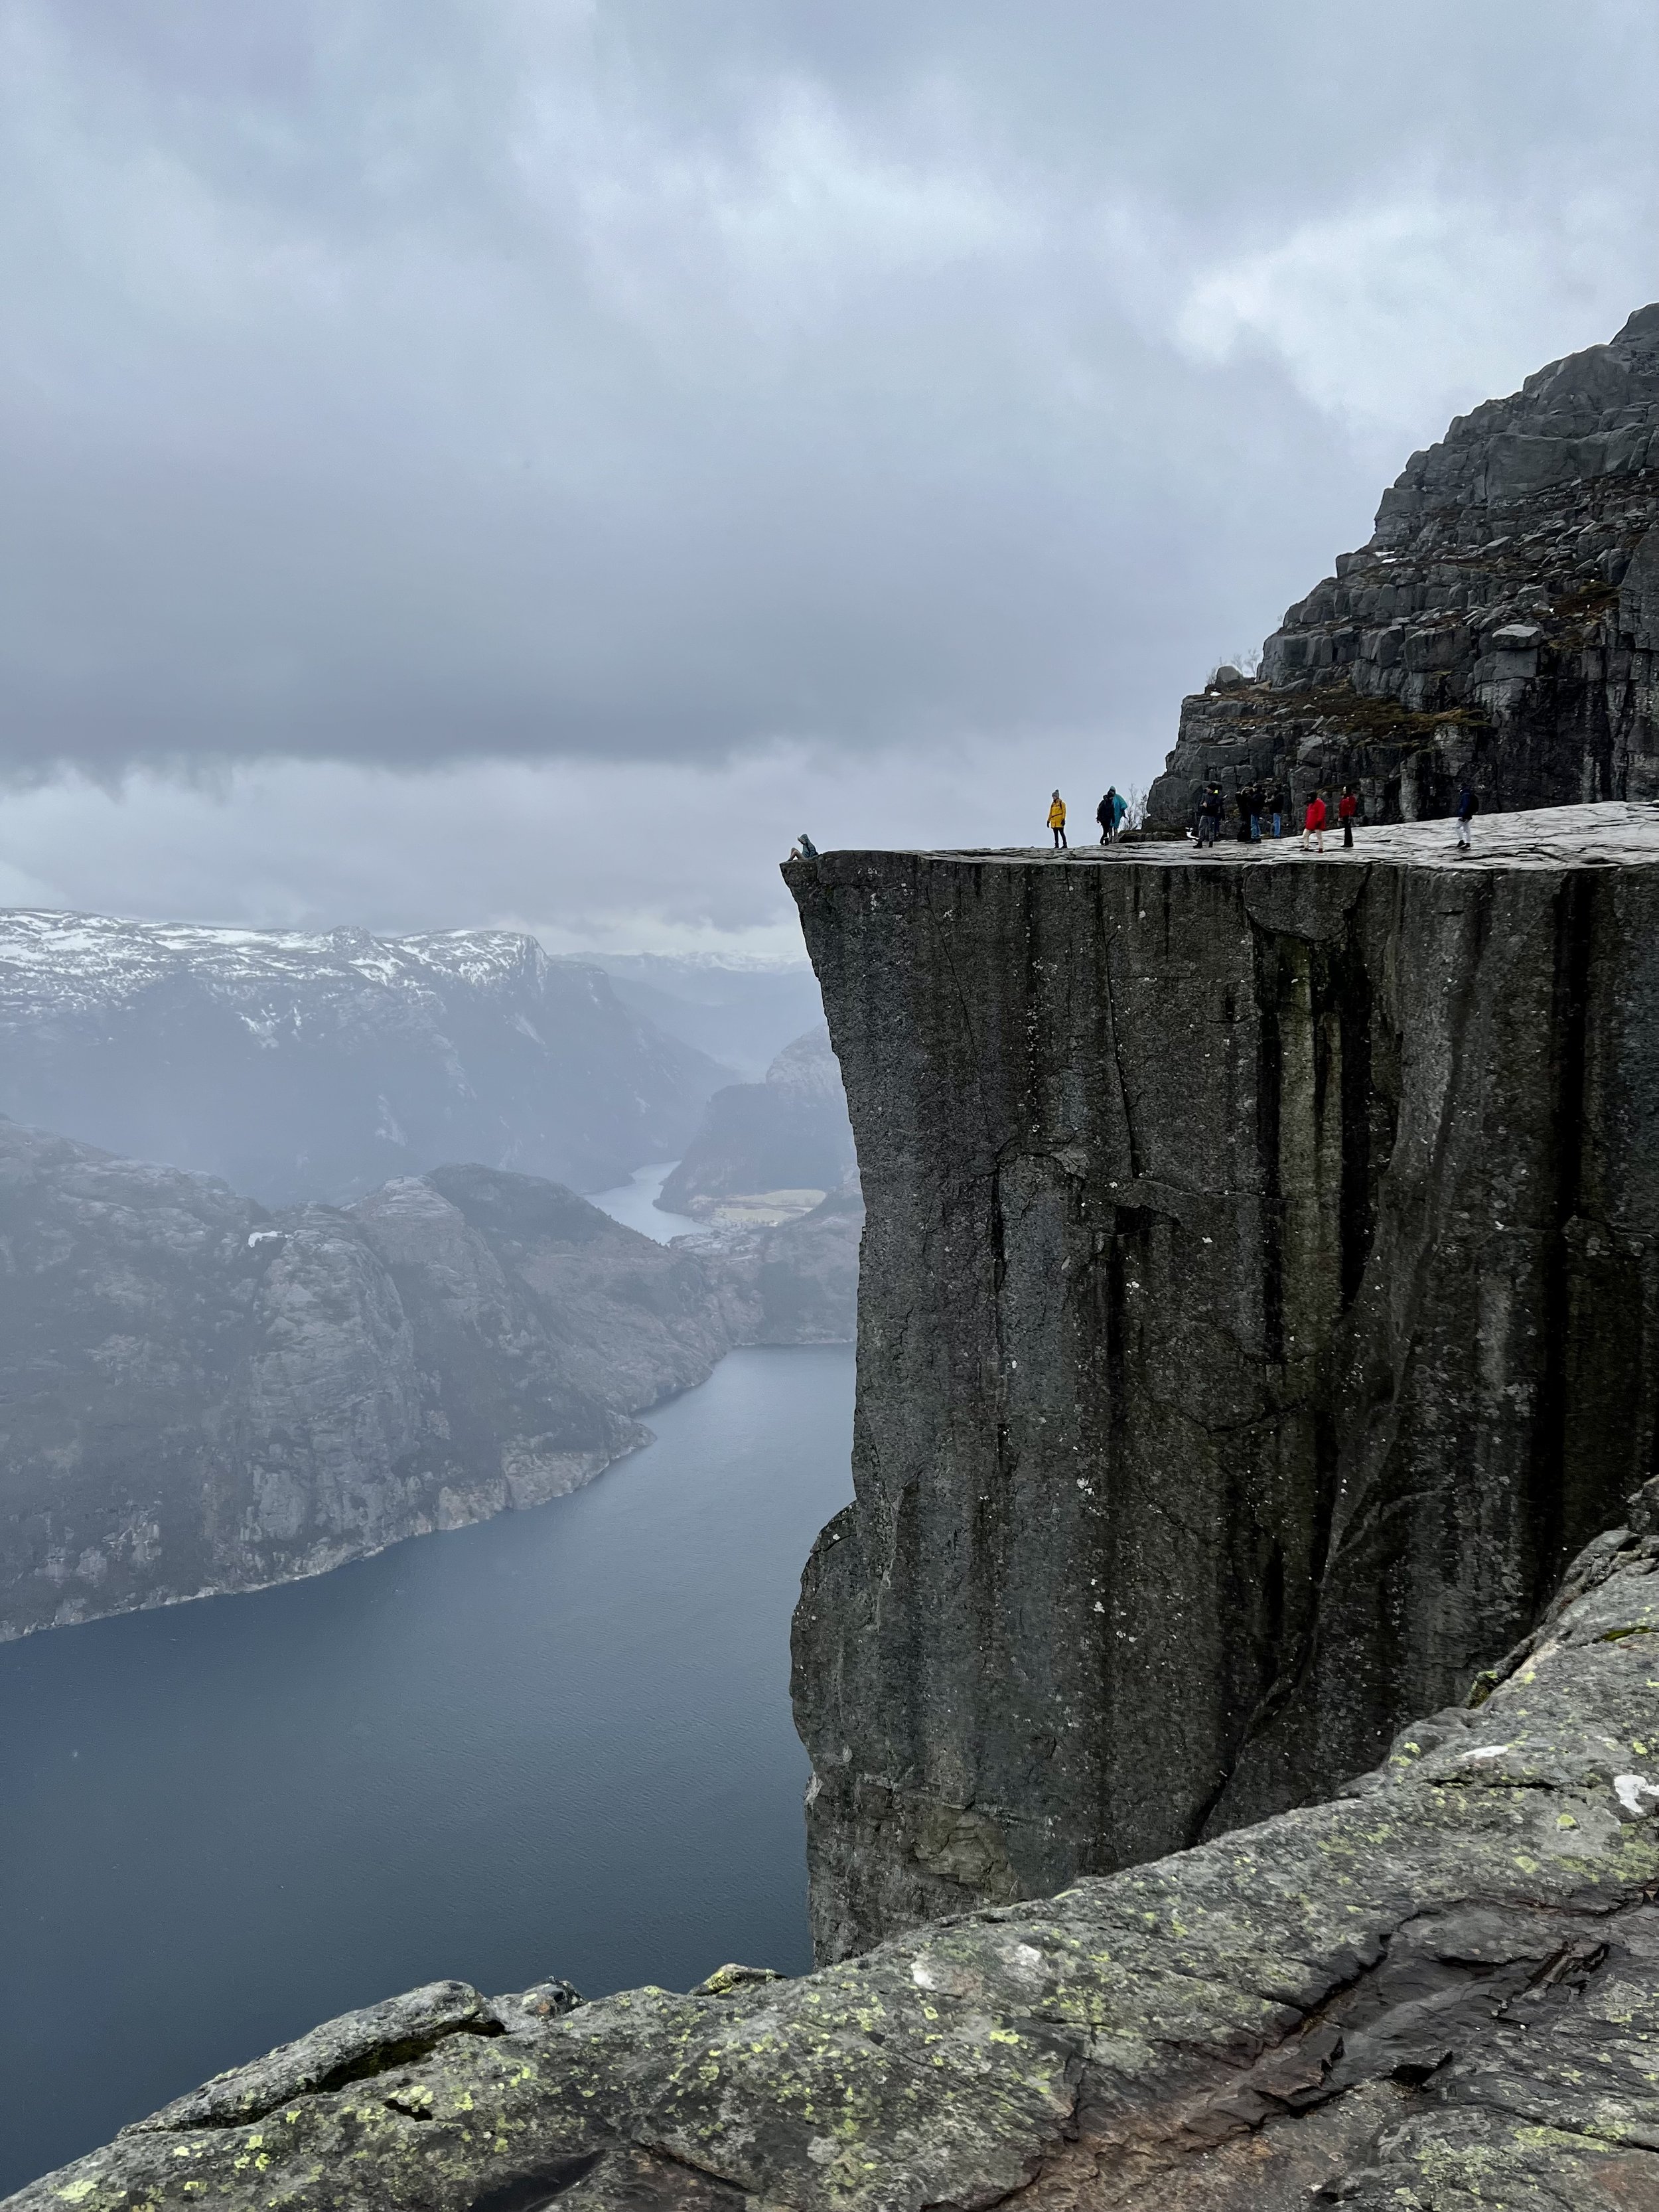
{"type": "Point", "coordinates": [803, 848]}
{"type": "Point", "coordinates": [1057, 822]}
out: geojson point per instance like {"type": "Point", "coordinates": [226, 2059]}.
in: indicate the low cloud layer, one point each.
{"type": "Point", "coordinates": [914, 397]}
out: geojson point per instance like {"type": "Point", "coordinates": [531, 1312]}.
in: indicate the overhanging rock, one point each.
{"type": "Point", "coordinates": [1260, 1303]}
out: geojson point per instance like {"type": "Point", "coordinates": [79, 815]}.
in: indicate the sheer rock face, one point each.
{"type": "Point", "coordinates": [1502, 625]}
{"type": "Point", "coordinates": [1440, 1990]}
{"type": "Point", "coordinates": [197, 1395]}
{"type": "Point", "coordinates": [1259, 1302]}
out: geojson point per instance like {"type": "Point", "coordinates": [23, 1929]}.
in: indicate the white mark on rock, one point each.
{"type": "Point", "coordinates": [1631, 1789]}
{"type": "Point", "coordinates": [1487, 1751]}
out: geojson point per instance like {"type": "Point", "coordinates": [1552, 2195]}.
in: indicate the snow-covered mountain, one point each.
{"type": "Point", "coordinates": [315, 1065]}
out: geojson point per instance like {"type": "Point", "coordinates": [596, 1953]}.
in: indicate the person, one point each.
{"type": "Point", "coordinates": [1275, 806]}
{"type": "Point", "coordinates": [809, 851]}
{"type": "Point", "coordinates": [1057, 821]}
{"type": "Point", "coordinates": [1347, 808]}
{"type": "Point", "coordinates": [1105, 816]}
{"type": "Point", "coordinates": [1209, 814]}
{"type": "Point", "coordinates": [1257, 801]}
{"type": "Point", "coordinates": [1313, 823]}
{"type": "Point", "coordinates": [1242, 802]}
{"type": "Point", "coordinates": [1120, 809]}
{"type": "Point", "coordinates": [1467, 805]}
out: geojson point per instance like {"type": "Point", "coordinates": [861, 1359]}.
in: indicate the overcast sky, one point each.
{"type": "Point", "coordinates": [481, 460]}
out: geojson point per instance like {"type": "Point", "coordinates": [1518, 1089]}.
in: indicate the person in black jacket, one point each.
{"type": "Point", "coordinates": [1467, 806]}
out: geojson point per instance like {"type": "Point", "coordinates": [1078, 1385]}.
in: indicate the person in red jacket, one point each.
{"type": "Point", "coordinates": [1313, 823]}
{"type": "Point", "coordinates": [1347, 808]}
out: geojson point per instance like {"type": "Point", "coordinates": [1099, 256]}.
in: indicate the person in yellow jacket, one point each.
{"type": "Point", "coordinates": [1057, 821]}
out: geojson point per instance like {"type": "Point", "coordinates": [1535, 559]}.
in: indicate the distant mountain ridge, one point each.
{"type": "Point", "coordinates": [303, 1065]}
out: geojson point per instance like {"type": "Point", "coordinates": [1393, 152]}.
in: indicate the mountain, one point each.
{"type": "Point", "coordinates": [768, 1152]}
{"type": "Point", "coordinates": [298, 1065]}
{"type": "Point", "coordinates": [1501, 626]}
{"type": "Point", "coordinates": [199, 1395]}
{"type": "Point", "coordinates": [742, 1010]}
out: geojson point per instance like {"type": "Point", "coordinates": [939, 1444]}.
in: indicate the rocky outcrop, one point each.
{"type": "Point", "coordinates": [314, 1066]}
{"type": "Point", "coordinates": [196, 1394]}
{"type": "Point", "coordinates": [795, 1283]}
{"type": "Point", "coordinates": [1440, 1990]}
{"type": "Point", "coordinates": [768, 1152]}
{"type": "Point", "coordinates": [1501, 626]}
{"type": "Point", "coordinates": [1260, 1302]}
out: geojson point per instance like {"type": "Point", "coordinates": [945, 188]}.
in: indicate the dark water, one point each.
{"type": "Point", "coordinates": [557, 1743]}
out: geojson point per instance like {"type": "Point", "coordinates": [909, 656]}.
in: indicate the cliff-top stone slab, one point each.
{"type": "Point", "coordinates": [1260, 1303]}
{"type": "Point", "coordinates": [1501, 626]}
{"type": "Point", "coordinates": [1440, 1991]}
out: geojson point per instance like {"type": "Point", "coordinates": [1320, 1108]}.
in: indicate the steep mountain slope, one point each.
{"type": "Point", "coordinates": [303, 1067]}
{"type": "Point", "coordinates": [199, 1394]}
{"type": "Point", "coordinates": [1502, 625]}
{"type": "Point", "coordinates": [196, 1394]}
{"type": "Point", "coordinates": [769, 1150]}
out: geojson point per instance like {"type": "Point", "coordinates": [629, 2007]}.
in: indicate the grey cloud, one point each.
{"type": "Point", "coordinates": [653, 381]}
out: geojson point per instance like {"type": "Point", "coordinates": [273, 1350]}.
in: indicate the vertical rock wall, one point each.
{"type": "Point", "coordinates": [1260, 1302]}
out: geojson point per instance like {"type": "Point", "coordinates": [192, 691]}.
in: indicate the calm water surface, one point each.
{"type": "Point", "coordinates": [557, 1743]}
{"type": "Point", "coordinates": [634, 1204]}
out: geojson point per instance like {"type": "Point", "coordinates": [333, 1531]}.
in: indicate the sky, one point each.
{"type": "Point", "coordinates": [521, 461]}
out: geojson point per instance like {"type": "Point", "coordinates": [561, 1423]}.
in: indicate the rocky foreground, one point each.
{"type": "Point", "coordinates": [1439, 1991]}
{"type": "Point", "coordinates": [199, 1394]}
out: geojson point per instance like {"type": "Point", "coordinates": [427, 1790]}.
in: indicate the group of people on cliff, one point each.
{"type": "Point", "coordinates": [1111, 814]}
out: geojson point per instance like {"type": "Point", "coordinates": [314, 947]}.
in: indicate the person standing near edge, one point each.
{"type": "Point", "coordinates": [1313, 823]}
{"type": "Point", "coordinates": [1120, 808]}
{"type": "Point", "coordinates": [1057, 821]}
{"type": "Point", "coordinates": [1105, 816]}
{"type": "Point", "coordinates": [1347, 808]}
{"type": "Point", "coordinates": [1467, 806]}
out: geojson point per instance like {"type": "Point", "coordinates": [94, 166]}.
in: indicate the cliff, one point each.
{"type": "Point", "coordinates": [1501, 625]}
{"type": "Point", "coordinates": [302, 1066]}
{"type": "Point", "coordinates": [1260, 1302]}
{"type": "Point", "coordinates": [1437, 1992]}
{"type": "Point", "coordinates": [196, 1394]}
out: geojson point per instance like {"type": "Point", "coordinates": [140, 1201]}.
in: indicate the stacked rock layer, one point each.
{"type": "Point", "coordinates": [1501, 628]}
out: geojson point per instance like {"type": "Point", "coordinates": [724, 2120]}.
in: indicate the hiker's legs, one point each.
{"type": "Point", "coordinates": [1347, 835]}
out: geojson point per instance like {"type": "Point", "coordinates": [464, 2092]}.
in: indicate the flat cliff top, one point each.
{"type": "Point", "coordinates": [1615, 833]}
